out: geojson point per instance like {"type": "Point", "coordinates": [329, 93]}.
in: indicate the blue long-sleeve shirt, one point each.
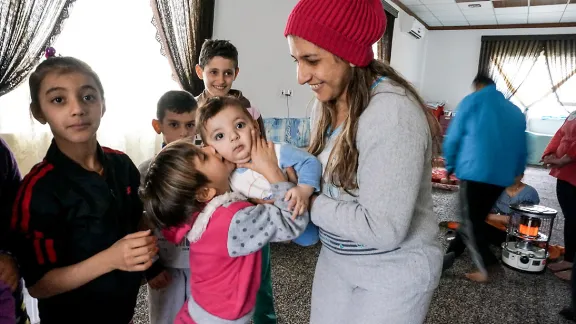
{"type": "Point", "coordinates": [486, 140]}
{"type": "Point", "coordinates": [253, 185]}
{"type": "Point", "coordinates": [528, 195]}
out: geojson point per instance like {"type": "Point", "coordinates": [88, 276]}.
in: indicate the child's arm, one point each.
{"type": "Point", "coordinates": [309, 171]}
{"type": "Point", "coordinates": [307, 166]}
{"type": "Point", "coordinates": [253, 227]}
{"type": "Point", "coordinates": [132, 253]}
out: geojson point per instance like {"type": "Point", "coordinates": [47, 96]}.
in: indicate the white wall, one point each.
{"type": "Point", "coordinates": [265, 63]}
{"type": "Point", "coordinates": [452, 60]}
{"type": "Point", "coordinates": [408, 52]}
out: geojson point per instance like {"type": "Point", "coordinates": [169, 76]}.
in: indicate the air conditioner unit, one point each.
{"type": "Point", "coordinates": [417, 30]}
{"type": "Point", "coordinates": [412, 26]}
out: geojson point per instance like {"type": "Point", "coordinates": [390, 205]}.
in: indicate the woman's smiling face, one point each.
{"type": "Point", "coordinates": [327, 75]}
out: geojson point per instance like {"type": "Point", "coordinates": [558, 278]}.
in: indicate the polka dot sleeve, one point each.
{"type": "Point", "coordinates": [255, 226]}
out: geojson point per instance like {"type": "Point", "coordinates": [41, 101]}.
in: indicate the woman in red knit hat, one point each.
{"type": "Point", "coordinates": [380, 261]}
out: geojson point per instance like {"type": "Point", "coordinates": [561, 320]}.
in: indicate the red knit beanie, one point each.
{"type": "Point", "coordinates": [345, 28]}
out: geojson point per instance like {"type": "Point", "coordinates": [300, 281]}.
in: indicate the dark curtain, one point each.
{"type": "Point", "coordinates": [520, 53]}
{"type": "Point", "coordinates": [182, 26]}
{"type": "Point", "coordinates": [561, 61]}
{"type": "Point", "coordinates": [27, 28]}
{"type": "Point", "coordinates": [384, 45]}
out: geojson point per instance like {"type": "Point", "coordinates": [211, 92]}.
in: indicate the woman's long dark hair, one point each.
{"type": "Point", "coordinates": [343, 161]}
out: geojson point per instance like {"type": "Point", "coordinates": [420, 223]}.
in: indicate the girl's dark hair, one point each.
{"type": "Point", "coordinates": [343, 161]}
{"type": "Point", "coordinates": [215, 105]}
{"type": "Point", "coordinates": [169, 189]}
{"type": "Point", "coordinates": [60, 65]}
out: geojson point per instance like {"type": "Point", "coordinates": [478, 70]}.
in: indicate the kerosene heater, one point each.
{"type": "Point", "coordinates": [527, 237]}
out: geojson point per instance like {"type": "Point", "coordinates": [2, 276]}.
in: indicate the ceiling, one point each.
{"type": "Point", "coordinates": [438, 14]}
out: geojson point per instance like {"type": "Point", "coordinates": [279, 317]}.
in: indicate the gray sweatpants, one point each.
{"type": "Point", "coordinates": [393, 288]}
{"type": "Point", "coordinates": [165, 303]}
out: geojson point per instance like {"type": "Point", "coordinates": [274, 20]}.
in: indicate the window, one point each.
{"type": "Point", "coordinates": [536, 95]}
{"type": "Point", "coordinates": [120, 45]}
{"type": "Point", "coordinates": [536, 72]}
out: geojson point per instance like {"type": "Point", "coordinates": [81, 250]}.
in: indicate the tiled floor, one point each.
{"type": "Point", "coordinates": [511, 297]}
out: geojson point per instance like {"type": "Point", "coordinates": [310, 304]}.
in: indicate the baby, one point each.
{"type": "Point", "coordinates": [226, 126]}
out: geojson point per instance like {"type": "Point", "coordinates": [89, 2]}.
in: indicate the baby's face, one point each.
{"type": "Point", "coordinates": [229, 134]}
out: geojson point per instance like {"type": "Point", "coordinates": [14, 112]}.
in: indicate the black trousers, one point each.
{"type": "Point", "coordinates": [476, 201]}
{"type": "Point", "coordinates": [566, 194]}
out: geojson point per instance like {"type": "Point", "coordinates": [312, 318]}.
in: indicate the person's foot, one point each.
{"type": "Point", "coordinates": [568, 313]}
{"type": "Point", "coordinates": [565, 275]}
{"type": "Point", "coordinates": [560, 266]}
{"type": "Point", "coordinates": [448, 261]}
{"type": "Point", "coordinates": [477, 276]}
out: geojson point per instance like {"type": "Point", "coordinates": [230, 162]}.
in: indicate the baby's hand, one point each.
{"type": "Point", "coordinates": [299, 197]}
{"type": "Point", "coordinates": [263, 159]}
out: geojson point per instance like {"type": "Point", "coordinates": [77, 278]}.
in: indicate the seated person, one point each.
{"type": "Point", "coordinates": [517, 193]}
{"type": "Point", "coordinates": [497, 220]}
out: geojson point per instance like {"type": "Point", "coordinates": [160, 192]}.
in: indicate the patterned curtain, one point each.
{"type": "Point", "coordinates": [384, 47]}
{"type": "Point", "coordinates": [27, 28]}
{"type": "Point", "coordinates": [508, 62]}
{"type": "Point", "coordinates": [561, 61]}
{"type": "Point", "coordinates": [182, 27]}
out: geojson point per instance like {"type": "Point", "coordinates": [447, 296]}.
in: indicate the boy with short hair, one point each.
{"type": "Point", "coordinates": [169, 288]}
{"type": "Point", "coordinates": [218, 68]}
{"type": "Point", "coordinates": [175, 116]}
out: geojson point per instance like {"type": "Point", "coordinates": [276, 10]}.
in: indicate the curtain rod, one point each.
{"type": "Point", "coordinates": [529, 37]}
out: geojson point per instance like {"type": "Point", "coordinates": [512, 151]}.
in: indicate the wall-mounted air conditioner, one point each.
{"type": "Point", "coordinates": [411, 25]}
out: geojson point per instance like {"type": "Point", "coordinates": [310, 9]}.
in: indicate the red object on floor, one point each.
{"type": "Point", "coordinates": [442, 186]}
{"type": "Point", "coordinates": [440, 173]}
{"type": "Point", "coordinates": [554, 253]}
{"type": "Point", "coordinates": [453, 225]}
